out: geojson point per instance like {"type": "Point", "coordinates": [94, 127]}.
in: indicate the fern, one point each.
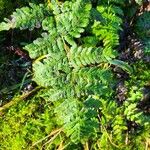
{"type": "Point", "coordinates": [70, 72]}
{"type": "Point", "coordinates": [107, 28]}
{"type": "Point", "coordinates": [131, 111]}
{"type": "Point", "coordinates": [19, 18]}
{"type": "Point", "coordinates": [119, 128]}
{"type": "Point", "coordinates": [80, 119]}
{"type": "Point", "coordinates": [81, 57]}
{"type": "Point", "coordinates": [71, 63]}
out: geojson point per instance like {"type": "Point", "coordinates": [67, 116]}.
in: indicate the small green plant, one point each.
{"type": "Point", "coordinates": [75, 107]}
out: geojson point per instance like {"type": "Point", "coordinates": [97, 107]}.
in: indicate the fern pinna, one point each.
{"type": "Point", "coordinates": [73, 67]}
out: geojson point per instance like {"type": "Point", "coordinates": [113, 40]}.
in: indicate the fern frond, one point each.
{"type": "Point", "coordinates": [83, 56]}
{"type": "Point", "coordinates": [94, 79]}
{"type": "Point", "coordinates": [80, 121]}
{"type": "Point", "coordinates": [119, 127]}
{"type": "Point", "coordinates": [25, 17]}
{"type": "Point", "coordinates": [107, 28]}
{"type": "Point", "coordinates": [51, 72]}
{"type": "Point", "coordinates": [132, 112]}
{"type": "Point", "coordinates": [70, 19]}
{"type": "Point", "coordinates": [46, 46]}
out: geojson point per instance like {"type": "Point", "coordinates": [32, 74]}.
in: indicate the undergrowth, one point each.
{"type": "Point", "coordinates": [77, 65]}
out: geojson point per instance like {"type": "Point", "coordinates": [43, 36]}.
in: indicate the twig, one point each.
{"type": "Point", "coordinates": [61, 147]}
{"type": "Point", "coordinates": [126, 139]}
{"type": "Point", "coordinates": [147, 144]}
{"type": "Point", "coordinates": [52, 139]}
{"type": "Point", "coordinates": [55, 132]}
{"type": "Point", "coordinates": [19, 98]}
{"type": "Point", "coordinates": [86, 146]}
{"type": "Point", "coordinates": [117, 146]}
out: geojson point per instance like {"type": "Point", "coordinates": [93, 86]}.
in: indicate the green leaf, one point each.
{"type": "Point", "coordinates": [122, 65]}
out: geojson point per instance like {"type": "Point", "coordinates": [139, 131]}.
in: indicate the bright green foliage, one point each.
{"type": "Point", "coordinates": [71, 63]}
{"type": "Point", "coordinates": [131, 111]}
{"type": "Point", "coordinates": [8, 6]}
{"type": "Point", "coordinates": [80, 56]}
{"type": "Point", "coordinates": [58, 63]}
{"type": "Point", "coordinates": [26, 122]}
{"type": "Point", "coordinates": [109, 25]}
{"type": "Point", "coordinates": [80, 119]}
{"type": "Point", "coordinates": [106, 28]}
{"type": "Point", "coordinates": [139, 1]}
{"type": "Point", "coordinates": [19, 18]}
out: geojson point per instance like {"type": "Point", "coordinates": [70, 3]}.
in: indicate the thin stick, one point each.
{"type": "Point", "coordinates": [86, 146]}
{"type": "Point", "coordinates": [110, 140]}
{"type": "Point", "coordinates": [147, 144]}
{"type": "Point", "coordinates": [19, 98]}
{"type": "Point", "coordinates": [126, 139]}
{"type": "Point", "coordinates": [52, 139]}
{"type": "Point", "coordinates": [51, 134]}
{"type": "Point", "coordinates": [60, 146]}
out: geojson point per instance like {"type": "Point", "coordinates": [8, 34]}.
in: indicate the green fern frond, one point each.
{"type": "Point", "coordinates": [119, 127]}
{"type": "Point", "coordinates": [25, 17]}
{"type": "Point", "coordinates": [80, 122]}
{"type": "Point", "coordinates": [107, 28]}
{"type": "Point", "coordinates": [49, 72]}
{"type": "Point", "coordinates": [131, 110]}
{"type": "Point", "coordinates": [69, 19]}
{"type": "Point", "coordinates": [84, 56]}
{"type": "Point", "coordinates": [46, 46]}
